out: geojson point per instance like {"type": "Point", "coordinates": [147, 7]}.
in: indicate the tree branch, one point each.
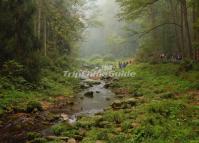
{"type": "Point", "coordinates": [156, 27]}
{"type": "Point", "coordinates": [141, 8]}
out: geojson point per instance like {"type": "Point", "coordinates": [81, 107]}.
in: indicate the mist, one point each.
{"type": "Point", "coordinates": [107, 36]}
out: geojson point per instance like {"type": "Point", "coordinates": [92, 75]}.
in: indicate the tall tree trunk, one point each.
{"type": "Point", "coordinates": [153, 22]}
{"type": "Point", "coordinates": [39, 22]}
{"type": "Point", "coordinates": [182, 29]}
{"type": "Point", "coordinates": [175, 15]}
{"type": "Point", "coordinates": [196, 29]}
{"type": "Point", "coordinates": [45, 37]}
{"type": "Point", "coordinates": [35, 25]}
{"type": "Point", "coordinates": [184, 4]}
{"type": "Point", "coordinates": [194, 33]}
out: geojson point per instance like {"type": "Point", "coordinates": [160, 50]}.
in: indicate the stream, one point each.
{"type": "Point", "coordinates": [15, 127]}
{"type": "Point", "coordinates": [101, 99]}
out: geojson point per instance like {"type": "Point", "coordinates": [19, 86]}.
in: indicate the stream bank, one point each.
{"type": "Point", "coordinates": [14, 127]}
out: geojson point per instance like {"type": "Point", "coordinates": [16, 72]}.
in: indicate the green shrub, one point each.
{"type": "Point", "coordinates": [186, 66]}
{"type": "Point", "coordinates": [102, 135]}
{"type": "Point", "coordinates": [34, 106]}
{"type": "Point", "coordinates": [63, 128]}
{"type": "Point", "coordinates": [58, 129]}
{"type": "Point", "coordinates": [117, 117]}
{"type": "Point", "coordinates": [169, 108]}
{"type": "Point", "coordinates": [32, 69]}
{"type": "Point", "coordinates": [33, 135]}
{"type": "Point", "coordinates": [126, 125]}
{"type": "Point", "coordinates": [86, 122]}
{"type": "Point", "coordinates": [39, 140]}
{"type": "Point", "coordinates": [121, 138]}
{"type": "Point", "coordinates": [12, 68]}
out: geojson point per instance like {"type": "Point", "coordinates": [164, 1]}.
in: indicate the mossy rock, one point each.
{"type": "Point", "coordinates": [138, 94]}
{"type": "Point", "coordinates": [34, 106]}
{"type": "Point", "coordinates": [167, 95]}
{"type": "Point", "coordinates": [124, 104]}
{"type": "Point", "coordinates": [89, 94]}
{"type": "Point", "coordinates": [103, 124]}
{"type": "Point", "coordinates": [39, 140]}
{"type": "Point", "coordinates": [158, 91]}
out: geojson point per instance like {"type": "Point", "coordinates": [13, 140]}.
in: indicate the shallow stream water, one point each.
{"type": "Point", "coordinates": [15, 127]}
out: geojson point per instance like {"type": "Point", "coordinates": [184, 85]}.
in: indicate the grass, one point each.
{"type": "Point", "coordinates": [15, 96]}
{"type": "Point", "coordinates": [168, 113]}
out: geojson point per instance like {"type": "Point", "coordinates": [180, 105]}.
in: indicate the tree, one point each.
{"type": "Point", "coordinates": [195, 5]}
{"type": "Point", "coordinates": [161, 16]}
{"type": "Point", "coordinates": [32, 29]}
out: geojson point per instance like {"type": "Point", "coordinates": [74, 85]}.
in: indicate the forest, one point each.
{"type": "Point", "coordinates": [99, 71]}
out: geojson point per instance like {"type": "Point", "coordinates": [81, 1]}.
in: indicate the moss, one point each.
{"type": "Point", "coordinates": [15, 95]}
{"type": "Point", "coordinates": [61, 128]}
{"type": "Point", "coordinates": [126, 125]}
{"type": "Point", "coordinates": [33, 135]}
{"type": "Point", "coordinates": [163, 117]}
{"type": "Point", "coordinates": [167, 95]}
{"type": "Point", "coordinates": [39, 140]}
{"type": "Point", "coordinates": [34, 106]}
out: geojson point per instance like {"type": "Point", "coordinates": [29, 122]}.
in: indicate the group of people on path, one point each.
{"type": "Point", "coordinates": [123, 65]}
{"type": "Point", "coordinates": [172, 58]}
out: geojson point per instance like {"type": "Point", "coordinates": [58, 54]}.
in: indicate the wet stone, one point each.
{"type": "Point", "coordinates": [72, 140]}
{"type": "Point", "coordinates": [89, 94]}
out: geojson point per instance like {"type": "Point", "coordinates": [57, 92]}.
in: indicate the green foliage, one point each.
{"type": "Point", "coordinates": [34, 106]}
{"type": "Point", "coordinates": [126, 125]}
{"type": "Point", "coordinates": [116, 117]}
{"type": "Point", "coordinates": [12, 68]}
{"type": "Point", "coordinates": [167, 95]}
{"type": "Point", "coordinates": [33, 135]}
{"type": "Point", "coordinates": [64, 129]}
{"type": "Point", "coordinates": [121, 138]}
{"type": "Point", "coordinates": [161, 117]}
{"type": "Point", "coordinates": [39, 140]}
{"type": "Point", "coordinates": [58, 129]}
{"type": "Point", "coordinates": [32, 70]}
{"type": "Point", "coordinates": [22, 41]}
{"type": "Point", "coordinates": [157, 29]}
{"type": "Point", "coordinates": [85, 123]}
{"type": "Point", "coordinates": [186, 66]}
{"type": "Point", "coordinates": [18, 42]}
{"type": "Point", "coordinates": [102, 135]}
